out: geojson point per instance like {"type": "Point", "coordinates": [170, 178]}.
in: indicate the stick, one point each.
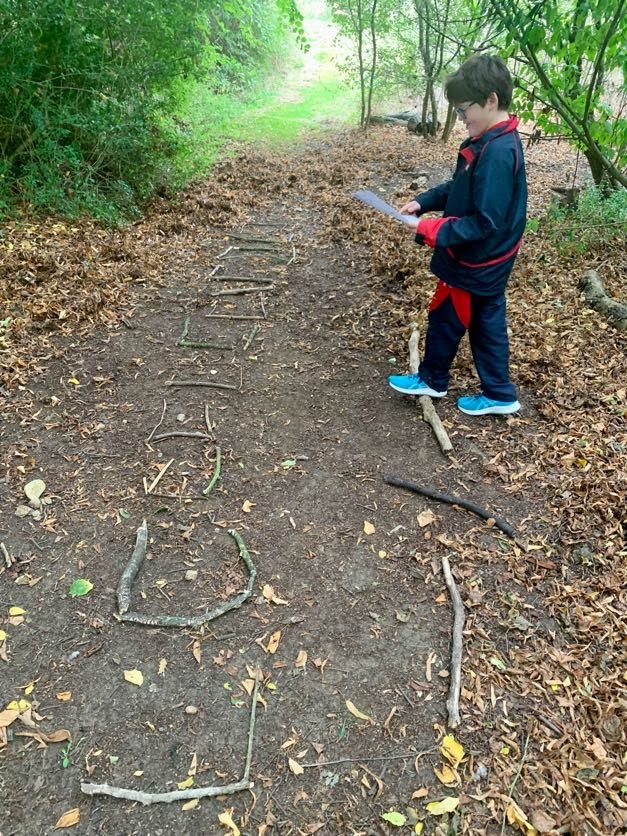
{"type": "Point", "coordinates": [159, 476]}
{"type": "Point", "coordinates": [263, 307]}
{"type": "Point", "coordinates": [257, 279]}
{"type": "Point", "coordinates": [251, 337]}
{"type": "Point", "coordinates": [7, 557]}
{"type": "Point", "coordinates": [228, 250]}
{"type": "Point", "coordinates": [452, 703]}
{"type": "Point", "coordinates": [505, 527]}
{"type": "Point", "coordinates": [208, 423]}
{"type": "Point", "coordinates": [238, 291]}
{"type": "Point", "coordinates": [208, 383]}
{"type": "Point", "coordinates": [160, 422]}
{"type": "Point", "coordinates": [428, 410]}
{"type": "Point", "coordinates": [216, 472]}
{"type": "Point", "coordinates": [232, 316]}
{"type": "Point", "coordinates": [355, 759]}
{"type": "Point", "coordinates": [182, 435]}
{"type": "Point", "coordinates": [134, 565]}
{"type": "Point", "coordinates": [132, 568]}
{"type": "Point", "coordinates": [195, 792]}
{"type": "Point", "coordinates": [183, 342]}
{"type": "Point", "coordinates": [251, 238]}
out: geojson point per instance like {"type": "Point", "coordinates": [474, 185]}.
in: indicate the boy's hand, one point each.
{"type": "Point", "coordinates": [410, 208]}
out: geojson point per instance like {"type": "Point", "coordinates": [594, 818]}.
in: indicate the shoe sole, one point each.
{"type": "Point", "coordinates": [508, 409]}
{"type": "Point", "coordinates": [431, 393]}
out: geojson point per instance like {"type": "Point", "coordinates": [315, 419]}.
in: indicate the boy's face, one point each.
{"type": "Point", "coordinates": [479, 118]}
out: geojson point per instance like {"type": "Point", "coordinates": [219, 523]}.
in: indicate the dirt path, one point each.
{"type": "Point", "coordinates": [348, 568]}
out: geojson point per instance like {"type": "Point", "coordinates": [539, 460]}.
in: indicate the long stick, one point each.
{"type": "Point", "coordinates": [165, 406]}
{"type": "Point", "coordinates": [216, 472]}
{"type": "Point", "coordinates": [208, 383]}
{"type": "Point", "coordinates": [147, 798]}
{"type": "Point", "coordinates": [428, 410]}
{"type": "Point", "coordinates": [257, 279]}
{"type": "Point", "coordinates": [132, 568]}
{"type": "Point", "coordinates": [239, 291]}
{"type": "Point", "coordinates": [181, 435]}
{"type": "Point", "coordinates": [505, 527]}
{"type": "Point", "coordinates": [232, 316]}
{"type": "Point", "coordinates": [452, 703]}
{"type": "Point", "coordinates": [183, 342]}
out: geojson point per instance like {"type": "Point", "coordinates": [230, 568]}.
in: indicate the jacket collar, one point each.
{"type": "Point", "coordinates": [507, 126]}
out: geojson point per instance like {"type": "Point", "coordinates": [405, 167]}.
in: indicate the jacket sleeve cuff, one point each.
{"type": "Point", "coordinates": [427, 230]}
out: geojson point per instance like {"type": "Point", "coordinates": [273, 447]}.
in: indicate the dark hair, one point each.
{"type": "Point", "coordinates": [477, 78]}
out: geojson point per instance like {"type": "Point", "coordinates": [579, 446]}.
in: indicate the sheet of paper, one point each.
{"type": "Point", "coordinates": [376, 202]}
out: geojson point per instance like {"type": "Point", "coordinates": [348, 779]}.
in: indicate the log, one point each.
{"type": "Point", "coordinates": [428, 410]}
{"type": "Point", "coordinates": [594, 293]}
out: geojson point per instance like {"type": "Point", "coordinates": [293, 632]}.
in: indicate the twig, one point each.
{"type": "Point", "coordinates": [263, 307]}
{"type": "Point", "coordinates": [208, 383]}
{"type": "Point", "coordinates": [503, 525]}
{"type": "Point", "coordinates": [208, 423]}
{"type": "Point", "coordinates": [7, 557]}
{"type": "Point", "coordinates": [293, 258]}
{"type": "Point", "coordinates": [216, 472]}
{"type": "Point", "coordinates": [160, 422]}
{"type": "Point", "coordinates": [132, 568]}
{"type": "Point", "coordinates": [452, 703]}
{"type": "Point", "coordinates": [232, 316]}
{"type": "Point", "coordinates": [195, 792]}
{"type": "Point", "coordinates": [515, 781]}
{"type": "Point", "coordinates": [357, 758]}
{"type": "Point", "coordinates": [251, 238]}
{"type": "Point", "coordinates": [159, 476]}
{"type": "Point", "coordinates": [428, 410]}
{"type": "Point", "coordinates": [130, 573]}
{"type": "Point", "coordinates": [239, 291]}
{"type": "Point", "coordinates": [257, 279]}
{"type": "Point", "coordinates": [183, 342]}
{"type": "Point", "coordinates": [251, 337]}
{"type": "Point", "coordinates": [228, 250]}
{"type": "Point", "coordinates": [182, 435]}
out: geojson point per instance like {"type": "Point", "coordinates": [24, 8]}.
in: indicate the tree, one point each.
{"type": "Point", "coordinates": [573, 56]}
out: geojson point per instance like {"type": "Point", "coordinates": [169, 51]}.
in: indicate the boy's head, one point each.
{"type": "Point", "coordinates": [481, 91]}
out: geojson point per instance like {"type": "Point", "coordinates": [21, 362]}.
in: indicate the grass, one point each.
{"type": "Point", "coordinates": [304, 98]}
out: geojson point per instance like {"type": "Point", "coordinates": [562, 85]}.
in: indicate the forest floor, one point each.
{"type": "Point", "coordinates": [349, 624]}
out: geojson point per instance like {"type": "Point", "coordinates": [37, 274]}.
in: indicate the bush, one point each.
{"type": "Point", "coordinates": [598, 218]}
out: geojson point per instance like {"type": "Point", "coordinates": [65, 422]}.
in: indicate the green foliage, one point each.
{"type": "Point", "coordinates": [598, 219]}
{"type": "Point", "coordinates": [573, 74]}
{"type": "Point", "coordinates": [88, 89]}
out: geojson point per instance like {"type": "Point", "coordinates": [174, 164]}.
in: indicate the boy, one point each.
{"type": "Point", "coordinates": [475, 242]}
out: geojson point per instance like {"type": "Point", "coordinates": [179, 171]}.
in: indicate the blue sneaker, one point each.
{"type": "Point", "coordinates": [411, 384]}
{"type": "Point", "coordinates": [480, 405]}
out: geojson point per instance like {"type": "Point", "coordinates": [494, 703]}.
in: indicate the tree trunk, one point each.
{"type": "Point", "coordinates": [451, 118]}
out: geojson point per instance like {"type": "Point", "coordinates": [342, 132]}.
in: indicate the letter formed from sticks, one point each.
{"type": "Point", "coordinates": [132, 569]}
{"type": "Point", "coordinates": [428, 410]}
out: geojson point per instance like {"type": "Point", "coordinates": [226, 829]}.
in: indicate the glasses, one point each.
{"type": "Point", "coordinates": [461, 111]}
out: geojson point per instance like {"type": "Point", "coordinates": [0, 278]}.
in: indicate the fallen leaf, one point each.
{"type": "Point", "coordinates": [394, 818]}
{"type": "Point", "coordinates": [446, 805]}
{"type": "Point", "coordinates": [69, 819]}
{"type": "Point", "coordinates": [187, 783]}
{"type": "Point", "coordinates": [196, 651]}
{"type": "Point", "coordinates": [80, 587]}
{"type": "Point", "coordinates": [227, 820]}
{"type": "Point", "coordinates": [516, 816]}
{"type": "Point", "coordinates": [15, 611]}
{"type": "Point", "coordinates": [64, 696]}
{"type": "Point", "coordinates": [18, 705]}
{"type": "Point", "coordinates": [423, 792]}
{"type": "Point", "coordinates": [447, 775]}
{"type": "Point", "coordinates": [357, 713]}
{"type": "Point", "coordinates": [452, 750]}
{"type": "Point", "coordinates": [248, 506]}
{"type": "Point", "coordinates": [419, 828]}
{"type": "Point", "coordinates": [295, 767]}
{"type": "Point", "coordinates": [369, 527]}
{"type": "Point", "coordinates": [34, 490]}
{"type": "Point", "coordinates": [191, 804]}
{"type": "Point", "coordinates": [138, 773]}
{"type": "Point", "coordinates": [425, 518]}
{"type": "Point", "coordinates": [134, 676]}
{"type": "Point", "coordinates": [193, 767]}
{"type": "Point", "coordinates": [273, 643]}
{"type": "Point", "coordinates": [301, 659]}
{"type": "Point", "coordinates": [163, 663]}
{"type": "Point", "coordinates": [542, 822]}
{"type": "Point", "coordinates": [270, 595]}
{"type": "Point", "coordinates": [3, 636]}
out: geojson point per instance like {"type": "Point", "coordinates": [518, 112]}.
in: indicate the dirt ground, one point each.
{"type": "Point", "coordinates": [349, 614]}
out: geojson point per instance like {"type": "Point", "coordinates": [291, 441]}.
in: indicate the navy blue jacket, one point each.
{"type": "Point", "coordinates": [485, 206]}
